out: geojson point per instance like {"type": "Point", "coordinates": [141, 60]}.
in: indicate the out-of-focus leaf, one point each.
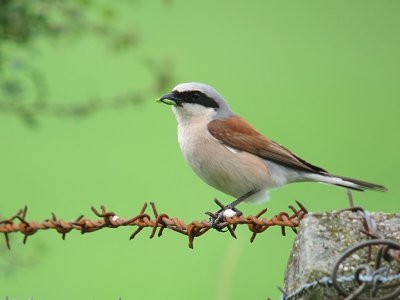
{"type": "Point", "coordinates": [23, 88]}
{"type": "Point", "coordinates": [11, 88]}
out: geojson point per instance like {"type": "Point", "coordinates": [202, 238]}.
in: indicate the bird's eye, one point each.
{"type": "Point", "coordinates": [196, 96]}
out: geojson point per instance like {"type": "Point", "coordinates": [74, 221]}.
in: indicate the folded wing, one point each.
{"type": "Point", "coordinates": [236, 133]}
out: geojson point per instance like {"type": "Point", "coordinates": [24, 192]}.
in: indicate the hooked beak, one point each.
{"type": "Point", "coordinates": [170, 99]}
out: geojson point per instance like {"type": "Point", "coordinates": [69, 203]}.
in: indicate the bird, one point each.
{"type": "Point", "coordinates": [229, 154]}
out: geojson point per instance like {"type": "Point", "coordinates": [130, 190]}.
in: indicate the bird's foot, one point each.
{"type": "Point", "coordinates": [218, 219]}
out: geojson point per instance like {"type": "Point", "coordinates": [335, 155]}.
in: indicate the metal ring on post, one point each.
{"type": "Point", "coordinates": [391, 244]}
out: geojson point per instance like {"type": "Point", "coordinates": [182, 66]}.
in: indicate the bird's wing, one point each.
{"type": "Point", "coordinates": [236, 133]}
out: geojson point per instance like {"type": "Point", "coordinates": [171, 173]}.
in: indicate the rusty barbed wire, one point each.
{"type": "Point", "coordinates": [370, 229]}
{"type": "Point", "coordinates": [159, 222]}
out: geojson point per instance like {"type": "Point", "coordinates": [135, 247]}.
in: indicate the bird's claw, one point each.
{"type": "Point", "coordinates": [218, 219]}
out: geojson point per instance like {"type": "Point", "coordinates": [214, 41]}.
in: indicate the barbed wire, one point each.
{"type": "Point", "coordinates": [160, 221]}
{"type": "Point", "coordinates": [370, 279]}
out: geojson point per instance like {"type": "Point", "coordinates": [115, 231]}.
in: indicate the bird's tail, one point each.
{"type": "Point", "coordinates": [346, 182]}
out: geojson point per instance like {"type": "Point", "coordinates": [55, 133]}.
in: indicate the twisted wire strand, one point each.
{"type": "Point", "coordinates": [159, 222]}
{"type": "Point", "coordinates": [327, 281]}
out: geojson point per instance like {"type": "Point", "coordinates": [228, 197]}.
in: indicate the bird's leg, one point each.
{"type": "Point", "coordinates": [240, 199]}
{"type": "Point", "coordinates": [218, 217]}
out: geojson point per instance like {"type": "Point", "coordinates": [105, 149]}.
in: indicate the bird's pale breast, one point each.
{"type": "Point", "coordinates": [232, 172]}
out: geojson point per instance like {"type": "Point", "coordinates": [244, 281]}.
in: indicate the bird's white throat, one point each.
{"type": "Point", "coordinates": [188, 112]}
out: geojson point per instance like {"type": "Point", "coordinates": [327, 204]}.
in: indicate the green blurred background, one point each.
{"type": "Point", "coordinates": [321, 78]}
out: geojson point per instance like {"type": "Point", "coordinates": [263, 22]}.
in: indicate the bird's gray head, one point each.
{"type": "Point", "coordinates": [195, 99]}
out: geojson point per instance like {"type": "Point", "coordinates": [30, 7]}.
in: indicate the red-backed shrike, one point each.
{"type": "Point", "coordinates": [233, 157]}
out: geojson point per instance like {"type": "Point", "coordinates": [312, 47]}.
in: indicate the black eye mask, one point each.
{"type": "Point", "coordinates": [196, 97]}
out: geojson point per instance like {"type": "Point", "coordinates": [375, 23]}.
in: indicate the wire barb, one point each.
{"type": "Point", "coordinates": [159, 222]}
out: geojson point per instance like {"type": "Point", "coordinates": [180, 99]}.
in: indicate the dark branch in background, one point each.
{"type": "Point", "coordinates": [23, 90]}
{"type": "Point", "coordinates": [160, 221]}
{"type": "Point", "coordinates": [26, 20]}
{"type": "Point", "coordinates": [29, 112]}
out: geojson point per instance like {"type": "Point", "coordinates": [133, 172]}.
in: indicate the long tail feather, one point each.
{"type": "Point", "coordinates": [354, 184]}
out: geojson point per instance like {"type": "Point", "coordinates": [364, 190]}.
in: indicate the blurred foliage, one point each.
{"type": "Point", "coordinates": [23, 23]}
